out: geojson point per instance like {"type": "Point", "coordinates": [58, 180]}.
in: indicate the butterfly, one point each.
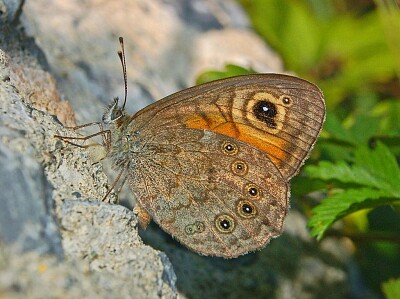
{"type": "Point", "coordinates": [212, 164]}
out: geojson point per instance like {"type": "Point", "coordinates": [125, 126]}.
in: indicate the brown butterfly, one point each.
{"type": "Point", "coordinates": [211, 164]}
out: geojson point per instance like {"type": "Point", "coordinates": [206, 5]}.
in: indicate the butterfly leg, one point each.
{"type": "Point", "coordinates": [115, 183]}
{"type": "Point", "coordinates": [105, 135]}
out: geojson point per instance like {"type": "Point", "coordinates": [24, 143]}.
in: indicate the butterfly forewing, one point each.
{"type": "Point", "coordinates": [278, 114]}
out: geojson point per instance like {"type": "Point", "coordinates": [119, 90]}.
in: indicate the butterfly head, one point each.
{"type": "Point", "coordinates": [113, 112]}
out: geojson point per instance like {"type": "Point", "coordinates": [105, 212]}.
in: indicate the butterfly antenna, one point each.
{"type": "Point", "coordinates": [121, 55]}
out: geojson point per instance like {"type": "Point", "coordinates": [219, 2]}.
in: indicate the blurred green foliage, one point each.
{"type": "Point", "coordinates": [391, 289]}
{"type": "Point", "coordinates": [344, 52]}
{"type": "Point", "coordinates": [351, 50]}
{"type": "Point", "coordinates": [229, 71]}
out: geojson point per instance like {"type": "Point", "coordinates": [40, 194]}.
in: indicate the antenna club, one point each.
{"type": "Point", "coordinates": [121, 54]}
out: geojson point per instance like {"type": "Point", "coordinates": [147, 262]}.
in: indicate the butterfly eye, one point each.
{"type": "Point", "coordinates": [225, 223]}
{"type": "Point", "coordinates": [116, 114]}
{"type": "Point", "coordinates": [112, 112]}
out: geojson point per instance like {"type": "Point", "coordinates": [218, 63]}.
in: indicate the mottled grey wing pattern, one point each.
{"type": "Point", "coordinates": [216, 195]}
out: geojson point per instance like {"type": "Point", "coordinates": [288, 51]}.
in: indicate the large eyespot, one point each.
{"type": "Point", "coordinates": [239, 168]}
{"type": "Point", "coordinates": [266, 112]}
{"type": "Point", "coordinates": [224, 223]}
{"type": "Point", "coordinates": [246, 209]}
{"type": "Point", "coordinates": [252, 191]}
{"type": "Point", "coordinates": [229, 148]}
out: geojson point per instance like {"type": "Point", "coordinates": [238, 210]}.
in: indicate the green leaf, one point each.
{"type": "Point", "coordinates": [375, 180]}
{"type": "Point", "coordinates": [391, 289]}
{"type": "Point", "coordinates": [376, 168]}
{"type": "Point", "coordinates": [342, 172]}
{"type": "Point", "coordinates": [344, 203]}
{"type": "Point", "coordinates": [382, 164]}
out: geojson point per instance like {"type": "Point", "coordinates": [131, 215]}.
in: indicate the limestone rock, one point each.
{"type": "Point", "coordinates": [57, 238]}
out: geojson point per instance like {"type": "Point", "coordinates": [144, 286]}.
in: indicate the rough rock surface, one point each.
{"type": "Point", "coordinates": [57, 239]}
